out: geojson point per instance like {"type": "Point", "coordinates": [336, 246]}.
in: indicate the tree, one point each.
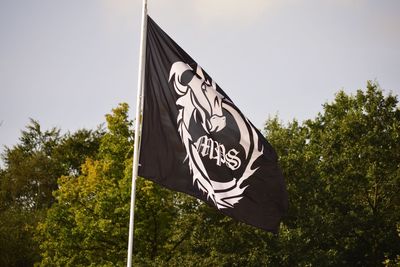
{"type": "Point", "coordinates": [342, 171]}
{"type": "Point", "coordinates": [27, 181]}
{"type": "Point", "coordinates": [343, 178]}
{"type": "Point", "coordinates": [30, 173]}
{"type": "Point", "coordinates": [87, 224]}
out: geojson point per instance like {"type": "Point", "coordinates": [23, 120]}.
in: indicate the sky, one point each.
{"type": "Point", "coordinates": [68, 63]}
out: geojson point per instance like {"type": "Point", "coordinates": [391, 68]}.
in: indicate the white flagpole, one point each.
{"type": "Point", "coordinates": [136, 152]}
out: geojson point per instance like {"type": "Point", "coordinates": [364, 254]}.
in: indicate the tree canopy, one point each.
{"type": "Point", "coordinates": [28, 180]}
{"type": "Point", "coordinates": [342, 172]}
{"type": "Point", "coordinates": [65, 198]}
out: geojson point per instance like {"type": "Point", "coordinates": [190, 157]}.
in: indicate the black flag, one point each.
{"type": "Point", "coordinates": [196, 141]}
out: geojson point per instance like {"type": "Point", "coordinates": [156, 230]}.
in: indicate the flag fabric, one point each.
{"type": "Point", "coordinates": [196, 141]}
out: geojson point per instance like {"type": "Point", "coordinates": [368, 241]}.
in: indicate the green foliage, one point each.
{"type": "Point", "coordinates": [87, 226]}
{"type": "Point", "coordinates": [155, 213]}
{"type": "Point", "coordinates": [342, 172]}
{"type": "Point", "coordinates": [17, 247]}
{"type": "Point", "coordinates": [74, 148]}
{"type": "Point", "coordinates": [343, 180]}
{"type": "Point", "coordinates": [30, 175]}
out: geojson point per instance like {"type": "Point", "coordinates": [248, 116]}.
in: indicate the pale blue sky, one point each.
{"type": "Point", "coordinates": [67, 63]}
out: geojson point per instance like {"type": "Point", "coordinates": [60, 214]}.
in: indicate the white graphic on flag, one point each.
{"type": "Point", "coordinates": [199, 101]}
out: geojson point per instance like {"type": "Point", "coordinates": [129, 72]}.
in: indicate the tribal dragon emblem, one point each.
{"type": "Point", "coordinates": [199, 101]}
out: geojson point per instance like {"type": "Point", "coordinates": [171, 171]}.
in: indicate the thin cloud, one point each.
{"type": "Point", "coordinates": [119, 13]}
{"type": "Point", "coordinates": [120, 7]}
{"type": "Point", "coordinates": [234, 10]}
